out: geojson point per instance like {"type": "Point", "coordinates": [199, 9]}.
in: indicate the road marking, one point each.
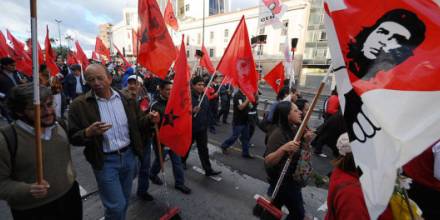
{"type": "Point", "coordinates": [201, 171]}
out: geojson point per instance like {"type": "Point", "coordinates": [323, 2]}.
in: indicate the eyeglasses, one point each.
{"type": "Point", "coordinates": [46, 105]}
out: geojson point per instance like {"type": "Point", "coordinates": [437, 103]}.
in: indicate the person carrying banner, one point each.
{"type": "Point", "coordinates": [225, 102]}
{"type": "Point", "coordinates": [200, 125]}
{"type": "Point", "coordinates": [159, 106]}
{"type": "Point", "coordinates": [58, 197]}
{"type": "Point", "coordinates": [109, 125]}
{"type": "Point", "coordinates": [280, 145]}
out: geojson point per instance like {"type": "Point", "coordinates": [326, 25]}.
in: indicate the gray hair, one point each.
{"type": "Point", "coordinates": [22, 96]}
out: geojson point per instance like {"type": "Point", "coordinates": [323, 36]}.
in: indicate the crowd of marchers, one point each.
{"type": "Point", "coordinates": [111, 111]}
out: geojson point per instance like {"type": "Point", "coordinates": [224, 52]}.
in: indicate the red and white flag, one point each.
{"type": "Point", "coordinates": [176, 129]}
{"type": "Point", "coordinates": [275, 78]}
{"type": "Point", "coordinates": [156, 52]}
{"type": "Point", "coordinates": [387, 68]}
{"type": "Point", "coordinates": [238, 63]}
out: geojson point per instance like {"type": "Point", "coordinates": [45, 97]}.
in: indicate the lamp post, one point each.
{"type": "Point", "coordinates": [59, 32]}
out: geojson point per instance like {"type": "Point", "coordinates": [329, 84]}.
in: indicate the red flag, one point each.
{"type": "Point", "coordinates": [81, 56]}
{"type": "Point", "coordinates": [206, 62]}
{"type": "Point", "coordinates": [169, 17]}
{"type": "Point", "coordinates": [157, 51]}
{"type": "Point", "coordinates": [71, 58]}
{"type": "Point", "coordinates": [18, 46]}
{"type": "Point", "coordinates": [126, 63]}
{"type": "Point", "coordinates": [40, 51]}
{"type": "Point", "coordinates": [135, 42]}
{"type": "Point", "coordinates": [4, 51]}
{"type": "Point", "coordinates": [94, 57]}
{"type": "Point", "coordinates": [176, 129]}
{"type": "Point", "coordinates": [101, 49]}
{"type": "Point", "coordinates": [238, 63]}
{"type": "Point", "coordinates": [22, 59]}
{"type": "Point", "coordinates": [50, 56]}
{"type": "Point", "coordinates": [275, 78]}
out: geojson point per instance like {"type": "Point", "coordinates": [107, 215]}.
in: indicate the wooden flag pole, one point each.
{"type": "Point", "coordinates": [36, 83]}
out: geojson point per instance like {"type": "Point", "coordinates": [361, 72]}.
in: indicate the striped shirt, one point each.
{"type": "Point", "coordinates": [112, 111]}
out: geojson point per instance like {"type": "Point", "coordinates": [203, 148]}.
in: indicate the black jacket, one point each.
{"type": "Point", "coordinates": [70, 86]}
{"type": "Point", "coordinates": [200, 122]}
{"type": "Point", "coordinates": [6, 83]}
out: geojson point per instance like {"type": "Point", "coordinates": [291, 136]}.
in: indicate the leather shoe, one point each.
{"type": "Point", "coordinates": [182, 188]}
{"type": "Point", "coordinates": [212, 173]}
{"type": "Point", "coordinates": [248, 156]}
{"type": "Point", "coordinates": [146, 196]}
{"type": "Point", "coordinates": [156, 180]}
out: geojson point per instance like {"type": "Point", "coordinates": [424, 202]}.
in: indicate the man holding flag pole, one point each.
{"type": "Point", "coordinates": [31, 193]}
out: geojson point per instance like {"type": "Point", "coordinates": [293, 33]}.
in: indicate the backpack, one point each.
{"type": "Point", "coordinates": [10, 135]}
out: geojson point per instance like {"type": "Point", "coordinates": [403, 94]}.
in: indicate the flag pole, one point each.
{"type": "Point", "coordinates": [300, 132]}
{"type": "Point", "coordinates": [36, 84]}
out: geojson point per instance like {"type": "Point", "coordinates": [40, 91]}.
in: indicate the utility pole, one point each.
{"type": "Point", "coordinates": [110, 38]}
{"type": "Point", "coordinates": [59, 31]}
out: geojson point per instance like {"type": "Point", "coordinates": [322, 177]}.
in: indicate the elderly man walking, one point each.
{"type": "Point", "coordinates": [108, 124]}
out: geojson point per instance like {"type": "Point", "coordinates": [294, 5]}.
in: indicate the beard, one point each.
{"type": "Point", "coordinates": [44, 123]}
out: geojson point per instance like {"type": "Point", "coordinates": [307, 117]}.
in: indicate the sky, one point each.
{"type": "Point", "coordinates": [79, 18]}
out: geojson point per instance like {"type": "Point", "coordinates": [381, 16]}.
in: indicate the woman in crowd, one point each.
{"type": "Point", "coordinates": [280, 145]}
{"type": "Point", "coordinates": [345, 199]}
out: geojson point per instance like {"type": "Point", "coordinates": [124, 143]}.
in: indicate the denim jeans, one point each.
{"type": "Point", "coordinates": [176, 162]}
{"type": "Point", "coordinates": [241, 131]}
{"type": "Point", "coordinates": [115, 182]}
{"type": "Point", "coordinates": [144, 170]}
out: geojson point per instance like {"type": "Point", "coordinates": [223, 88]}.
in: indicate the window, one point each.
{"type": "Point", "coordinates": [211, 52]}
{"type": "Point", "coordinates": [182, 10]}
{"type": "Point", "coordinates": [187, 40]}
{"type": "Point", "coordinates": [199, 38]}
{"type": "Point", "coordinates": [187, 53]}
{"type": "Point", "coordinates": [262, 30]}
{"type": "Point", "coordinates": [315, 17]}
{"type": "Point", "coordinates": [127, 18]}
{"type": "Point", "coordinates": [260, 51]}
{"type": "Point", "coordinates": [282, 46]}
{"type": "Point", "coordinates": [187, 7]}
{"type": "Point", "coordinates": [321, 52]}
{"type": "Point", "coordinates": [226, 33]}
{"type": "Point", "coordinates": [285, 28]}
{"type": "Point", "coordinates": [308, 53]}
{"type": "Point", "coordinates": [322, 36]}
{"type": "Point", "coordinates": [211, 36]}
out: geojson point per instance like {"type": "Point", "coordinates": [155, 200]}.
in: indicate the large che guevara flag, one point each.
{"type": "Point", "coordinates": [385, 55]}
{"type": "Point", "coordinates": [176, 129]}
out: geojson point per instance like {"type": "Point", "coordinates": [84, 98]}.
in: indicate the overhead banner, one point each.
{"type": "Point", "coordinates": [270, 13]}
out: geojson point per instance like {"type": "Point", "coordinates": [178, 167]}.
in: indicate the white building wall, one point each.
{"type": "Point", "coordinates": [296, 15]}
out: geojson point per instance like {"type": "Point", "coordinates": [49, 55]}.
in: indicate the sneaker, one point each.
{"type": "Point", "coordinates": [156, 180]}
{"type": "Point", "coordinates": [182, 188]}
{"type": "Point", "coordinates": [146, 196]}
{"type": "Point", "coordinates": [212, 172]}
